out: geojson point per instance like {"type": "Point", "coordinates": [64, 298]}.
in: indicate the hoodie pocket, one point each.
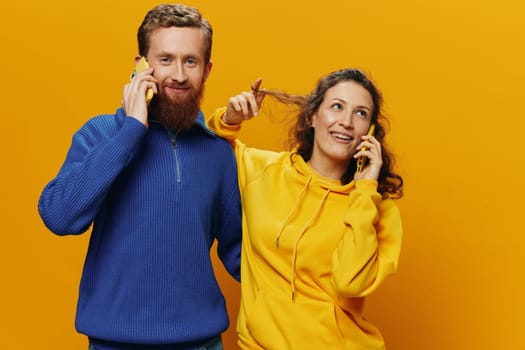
{"type": "Point", "coordinates": [278, 323]}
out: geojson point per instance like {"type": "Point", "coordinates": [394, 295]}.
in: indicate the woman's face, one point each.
{"type": "Point", "coordinates": [342, 118]}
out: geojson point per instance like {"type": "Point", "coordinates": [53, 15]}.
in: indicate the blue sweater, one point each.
{"type": "Point", "coordinates": [156, 207]}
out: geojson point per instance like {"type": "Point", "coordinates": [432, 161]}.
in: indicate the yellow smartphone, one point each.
{"type": "Point", "coordinates": [142, 65]}
{"type": "Point", "coordinates": [362, 160]}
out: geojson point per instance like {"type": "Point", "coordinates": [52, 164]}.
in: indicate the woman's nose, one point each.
{"type": "Point", "coordinates": [346, 120]}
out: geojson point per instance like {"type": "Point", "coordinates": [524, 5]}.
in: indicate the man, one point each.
{"type": "Point", "coordinates": [159, 188]}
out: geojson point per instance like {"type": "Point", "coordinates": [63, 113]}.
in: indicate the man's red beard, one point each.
{"type": "Point", "coordinates": [177, 112]}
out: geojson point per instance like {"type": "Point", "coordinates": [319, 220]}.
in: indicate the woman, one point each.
{"type": "Point", "coordinates": [318, 236]}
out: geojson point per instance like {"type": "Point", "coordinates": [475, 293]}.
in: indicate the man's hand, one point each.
{"type": "Point", "coordinates": [134, 98]}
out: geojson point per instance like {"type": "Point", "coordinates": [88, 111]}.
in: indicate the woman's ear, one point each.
{"type": "Point", "coordinates": [312, 120]}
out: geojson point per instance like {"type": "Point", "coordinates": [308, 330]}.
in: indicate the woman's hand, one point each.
{"type": "Point", "coordinates": [371, 149]}
{"type": "Point", "coordinates": [245, 105]}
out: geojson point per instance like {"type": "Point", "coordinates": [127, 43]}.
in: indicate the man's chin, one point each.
{"type": "Point", "coordinates": [175, 114]}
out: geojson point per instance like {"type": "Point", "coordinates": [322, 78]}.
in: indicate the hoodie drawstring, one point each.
{"type": "Point", "coordinates": [303, 230]}
{"type": "Point", "coordinates": [303, 192]}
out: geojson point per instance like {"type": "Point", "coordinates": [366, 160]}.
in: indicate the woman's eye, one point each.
{"type": "Point", "coordinates": [337, 106]}
{"type": "Point", "coordinates": [362, 114]}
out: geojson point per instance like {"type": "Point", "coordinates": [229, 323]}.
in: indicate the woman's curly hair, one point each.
{"type": "Point", "coordinates": [302, 133]}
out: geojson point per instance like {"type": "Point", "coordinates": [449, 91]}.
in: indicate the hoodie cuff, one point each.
{"type": "Point", "coordinates": [367, 185]}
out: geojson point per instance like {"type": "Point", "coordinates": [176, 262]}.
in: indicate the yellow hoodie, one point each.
{"type": "Point", "coordinates": [312, 250]}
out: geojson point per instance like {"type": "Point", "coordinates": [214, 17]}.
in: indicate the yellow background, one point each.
{"type": "Point", "coordinates": [451, 72]}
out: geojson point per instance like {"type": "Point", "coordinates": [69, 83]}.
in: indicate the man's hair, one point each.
{"type": "Point", "coordinates": [174, 15]}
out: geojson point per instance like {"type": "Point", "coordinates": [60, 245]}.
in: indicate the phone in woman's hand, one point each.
{"type": "Point", "coordinates": [362, 160]}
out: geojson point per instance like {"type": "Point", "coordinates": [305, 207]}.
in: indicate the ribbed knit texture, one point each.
{"type": "Point", "coordinates": [148, 276]}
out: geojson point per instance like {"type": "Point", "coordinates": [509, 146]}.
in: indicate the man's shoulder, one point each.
{"type": "Point", "coordinates": [106, 120]}
{"type": "Point", "coordinates": [220, 143]}
{"type": "Point", "coordinates": [102, 125]}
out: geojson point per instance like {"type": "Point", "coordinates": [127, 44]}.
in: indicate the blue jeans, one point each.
{"type": "Point", "coordinates": [214, 344]}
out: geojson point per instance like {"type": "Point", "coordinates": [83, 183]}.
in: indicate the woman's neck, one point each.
{"type": "Point", "coordinates": [328, 169]}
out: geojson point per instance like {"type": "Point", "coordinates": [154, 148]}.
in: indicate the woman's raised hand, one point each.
{"type": "Point", "coordinates": [245, 105]}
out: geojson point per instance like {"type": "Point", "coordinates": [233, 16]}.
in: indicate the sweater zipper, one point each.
{"type": "Point", "coordinates": [177, 165]}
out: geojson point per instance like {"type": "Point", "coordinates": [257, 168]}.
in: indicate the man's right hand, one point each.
{"type": "Point", "coordinates": [134, 96]}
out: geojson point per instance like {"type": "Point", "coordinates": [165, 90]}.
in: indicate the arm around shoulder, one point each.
{"type": "Point", "coordinates": [221, 128]}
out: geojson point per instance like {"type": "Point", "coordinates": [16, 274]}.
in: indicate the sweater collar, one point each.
{"type": "Point", "coordinates": [198, 122]}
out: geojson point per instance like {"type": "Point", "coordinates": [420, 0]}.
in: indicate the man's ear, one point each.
{"type": "Point", "coordinates": [207, 71]}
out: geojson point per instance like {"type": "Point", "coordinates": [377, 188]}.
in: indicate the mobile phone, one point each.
{"type": "Point", "coordinates": [141, 65]}
{"type": "Point", "coordinates": [362, 160]}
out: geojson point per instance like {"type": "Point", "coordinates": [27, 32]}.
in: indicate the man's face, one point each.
{"type": "Point", "coordinates": [177, 56]}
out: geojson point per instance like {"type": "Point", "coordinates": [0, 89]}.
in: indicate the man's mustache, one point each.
{"type": "Point", "coordinates": [174, 85]}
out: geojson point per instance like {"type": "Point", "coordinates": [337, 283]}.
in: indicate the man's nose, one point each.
{"type": "Point", "coordinates": [178, 74]}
